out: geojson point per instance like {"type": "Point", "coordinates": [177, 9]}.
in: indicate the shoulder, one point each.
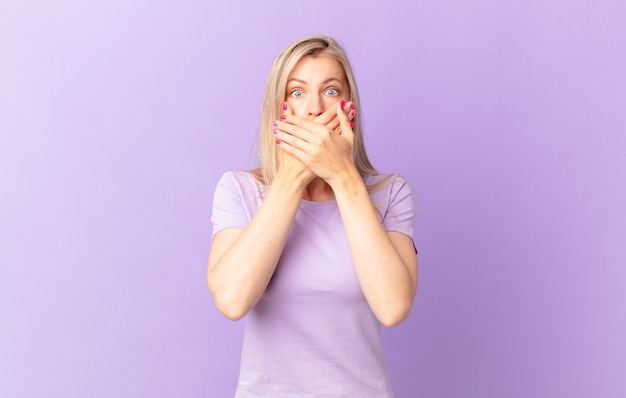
{"type": "Point", "coordinates": [237, 197]}
{"type": "Point", "coordinates": [393, 198]}
{"type": "Point", "coordinates": [242, 181]}
{"type": "Point", "coordinates": [389, 191]}
{"type": "Point", "coordinates": [391, 178]}
{"type": "Point", "coordinates": [386, 184]}
{"type": "Point", "coordinates": [239, 184]}
{"type": "Point", "coordinates": [237, 177]}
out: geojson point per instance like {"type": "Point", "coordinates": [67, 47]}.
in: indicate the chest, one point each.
{"type": "Point", "coordinates": [316, 263]}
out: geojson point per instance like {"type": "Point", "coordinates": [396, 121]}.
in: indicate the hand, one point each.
{"type": "Point", "coordinates": [288, 163]}
{"type": "Point", "coordinates": [321, 149]}
{"type": "Point", "coordinates": [329, 118]}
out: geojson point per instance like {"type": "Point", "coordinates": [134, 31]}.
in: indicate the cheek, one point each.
{"type": "Point", "coordinates": [332, 101]}
{"type": "Point", "coordinates": [298, 108]}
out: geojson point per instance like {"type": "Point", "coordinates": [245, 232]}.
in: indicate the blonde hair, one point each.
{"type": "Point", "coordinates": [274, 96]}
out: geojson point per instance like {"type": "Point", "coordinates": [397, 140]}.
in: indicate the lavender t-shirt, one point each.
{"type": "Point", "coordinates": [312, 333]}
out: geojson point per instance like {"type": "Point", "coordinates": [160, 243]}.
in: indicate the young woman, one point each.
{"type": "Point", "coordinates": [314, 247]}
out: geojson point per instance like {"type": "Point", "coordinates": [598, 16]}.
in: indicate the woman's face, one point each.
{"type": "Point", "coordinates": [314, 85]}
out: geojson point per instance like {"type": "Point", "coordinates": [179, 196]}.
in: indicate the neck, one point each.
{"type": "Point", "coordinates": [318, 191]}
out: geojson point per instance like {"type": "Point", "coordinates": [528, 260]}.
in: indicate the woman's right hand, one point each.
{"type": "Point", "coordinates": [291, 166]}
{"type": "Point", "coordinates": [242, 260]}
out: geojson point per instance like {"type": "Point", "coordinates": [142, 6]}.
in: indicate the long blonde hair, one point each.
{"type": "Point", "coordinates": [275, 89]}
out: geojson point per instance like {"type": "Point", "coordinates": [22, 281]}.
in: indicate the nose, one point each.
{"type": "Point", "coordinates": [314, 107]}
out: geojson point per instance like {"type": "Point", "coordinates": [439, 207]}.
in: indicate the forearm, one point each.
{"type": "Point", "coordinates": [384, 276]}
{"type": "Point", "coordinates": [241, 269]}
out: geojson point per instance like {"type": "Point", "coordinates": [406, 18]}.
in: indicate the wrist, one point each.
{"type": "Point", "coordinates": [349, 183]}
{"type": "Point", "coordinates": [296, 179]}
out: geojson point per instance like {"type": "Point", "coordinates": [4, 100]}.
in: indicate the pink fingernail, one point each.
{"type": "Point", "coordinates": [351, 124]}
{"type": "Point", "coordinates": [284, 106]}
{"type": "Point", "coordinates": [343, 103]}
{"type": "Point", "coordinates": [275, 123]}
{"type": "Point", "coordinates": [352, 112]}
{"type": "Point", "coordinates": [274, 131]}
{"type": "Point", "coordinates": [278, 142]}
{"type": "Point", "coordinates": [283, 117]}
{"type": "Point", "coordinates": [350, 105]}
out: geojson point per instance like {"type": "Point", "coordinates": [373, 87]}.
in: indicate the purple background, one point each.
{"type": "Point", "coordinates": [117, 118]}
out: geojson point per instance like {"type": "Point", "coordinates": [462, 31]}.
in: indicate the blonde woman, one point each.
{"type": "Point", "coordinates": [314, 247]}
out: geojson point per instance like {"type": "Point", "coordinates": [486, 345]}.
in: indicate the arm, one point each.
{"type": "Point", "coordinates": [386, 264]}
{"type": "Point", "coordinates": [242, 261]}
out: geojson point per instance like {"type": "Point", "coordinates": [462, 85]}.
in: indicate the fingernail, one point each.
{"type": "Point", "coordinates": [352, 112]}
{"type": "Point", "coordinates": [343, 103]}
{"type": "Point", "coordinates": [275, 123]}
{"type": "Point", "coordinates": [277, 142]}
{"type": "Point", "coordinates": [283, 117]}
{"type": "Point", "coordinates": [274, 131]}
{"type": "Point", "coordinates": [351, 124]}
{"type": "Point", "coordinates": [350, 105]}
{"type": "Point", "coordinates": [284, 106]}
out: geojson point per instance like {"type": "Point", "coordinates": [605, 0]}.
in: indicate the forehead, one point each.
{"type": "Point", "coordinates": [320, 67]}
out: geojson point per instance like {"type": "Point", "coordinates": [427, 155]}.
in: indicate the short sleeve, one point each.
{"type": "Point", "coordinates": [229, 210]}
{"type": "Point", "coordinates": [400, 213]}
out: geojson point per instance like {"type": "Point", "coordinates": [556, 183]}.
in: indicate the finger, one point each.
{"type": "Point", "coordinates": [287, 109]}
{"type": "Point", "coordinates": [350, 111]}
{"type": "Point", "coordinates": [287, 113]}
{"type": "Point", "coordinates": [334, 125]}
{"type": "Point", "coordinates": [351, 116]}
{"type": "Point", "coordinates": [303, 128]}
{"type": "Point", "coordinates": [328, 118]}
{"type": "Point", "coordinates": [286, 148]}
{"type": "Point", "coordinates": [345, 123]}
{"type": "Point", "coordinates": [293, 135]}
{"type": "Point", "coordinates": [328, 115]}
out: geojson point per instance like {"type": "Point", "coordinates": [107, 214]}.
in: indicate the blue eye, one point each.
{"type": "Point", "coordinates": [297, 93]}
{"type": "Point", "coordinates": [332, 92]}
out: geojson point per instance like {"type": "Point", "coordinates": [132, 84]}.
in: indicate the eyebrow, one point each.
{"type": "Point", "coordinates": [324, 82]}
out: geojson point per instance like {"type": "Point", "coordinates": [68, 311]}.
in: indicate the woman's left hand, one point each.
{"type": "Point", "coordinates": [328, 153]}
